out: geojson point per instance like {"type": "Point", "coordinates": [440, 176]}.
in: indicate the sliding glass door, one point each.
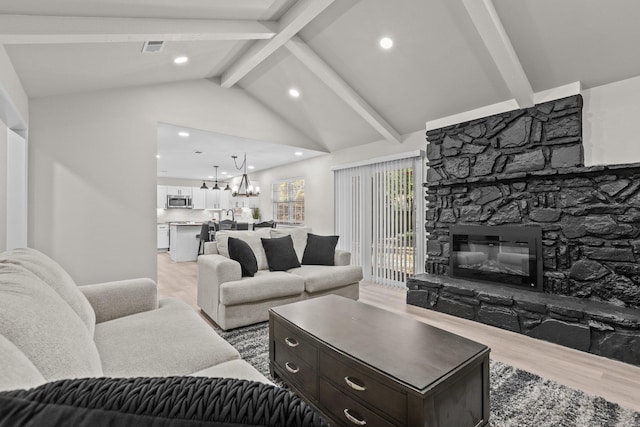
{"type": "Point", "coordinates": [379, 218]}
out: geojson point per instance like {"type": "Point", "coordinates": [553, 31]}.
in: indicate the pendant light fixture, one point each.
{"type": "Point", "coordinates": [204, 186]}
{"type": "Point", "coordinates": [244, 189]}
{"type": "Point", "coordinates": [215, 187]}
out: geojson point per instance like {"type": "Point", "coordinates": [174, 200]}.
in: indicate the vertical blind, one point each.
{"type": "Point", "coordinates": [379, 218]}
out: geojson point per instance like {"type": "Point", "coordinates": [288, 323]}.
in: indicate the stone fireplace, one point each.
{"type": "Point", "coordinates": [523, 170]}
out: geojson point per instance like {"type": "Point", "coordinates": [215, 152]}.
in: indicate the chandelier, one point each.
{"type": "Point", "coordinates": [244, 189]}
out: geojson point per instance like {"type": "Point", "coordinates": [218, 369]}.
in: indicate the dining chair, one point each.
{"type": "Point", "coordinates": [203, 236]}
{"type": "Point", "coordinates": [213, 227]}
{"type": "Point", "coordinates": [227, 224]}
{"type": "Point", "coordinates": [265, 224]}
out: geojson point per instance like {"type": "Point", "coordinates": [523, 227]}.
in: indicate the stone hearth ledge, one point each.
{"type": "Point", "coordinates": [586, 325]}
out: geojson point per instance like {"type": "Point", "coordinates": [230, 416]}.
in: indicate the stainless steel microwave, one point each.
{"type": "Point", "coordinates": [179, 202]}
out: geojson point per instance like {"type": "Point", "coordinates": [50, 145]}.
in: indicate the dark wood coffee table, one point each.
{"type": "Point", "coordinates": [361, 365]}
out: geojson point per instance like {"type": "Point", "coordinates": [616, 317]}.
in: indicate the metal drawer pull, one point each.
{"type": "Point", "coordinates": [353, 419]}
{"type": "Point", "coordinates": [291, 342]}
{"type": "Point", "coordinates": [353, 383]}
{"type": "Point", "coordinates": [292, 368]}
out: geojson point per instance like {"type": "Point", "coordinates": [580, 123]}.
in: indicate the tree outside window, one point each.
{"type": "Point", "coordinates": [288, 201]}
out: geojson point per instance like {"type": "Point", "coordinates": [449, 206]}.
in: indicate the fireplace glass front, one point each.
{"type": "Point", "coordinates": [497, 254]}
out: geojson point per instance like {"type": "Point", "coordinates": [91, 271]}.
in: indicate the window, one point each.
{"type": "Point", "coordinates": [288, 201]}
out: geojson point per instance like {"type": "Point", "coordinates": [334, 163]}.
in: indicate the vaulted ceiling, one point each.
{"type": "Point", "coordinates": [449, 56]}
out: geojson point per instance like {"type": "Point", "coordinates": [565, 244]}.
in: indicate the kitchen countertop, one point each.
{"type": "Point", "coordinates": [199, 224]}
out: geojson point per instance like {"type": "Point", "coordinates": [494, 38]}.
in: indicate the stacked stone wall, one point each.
{"type": "Point", "coordinates": [526, 167]}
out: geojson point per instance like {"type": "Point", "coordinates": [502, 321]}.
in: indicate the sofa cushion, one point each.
{"type": "Point", "coordinates": [280, 253]}
{"type": "Point", "coordinates": [321, 277]}
{"type": "Point", "coordinates": [16, 370]}
{"type": "Point", "coordinates": [172, 340]}
{"type": "Point", "coordinates": [320, 250]}
{"type": "Point", "coordinates": [55, 276]}
{"type": "Point", "coordinates": [251, 237]}
{"type": "Point", "coordinates": [240, 251]}
{"type": "Point", "coordinates": [44, 327]}
{"type": "Point", "coordinates": [264, 286]}
{"type": "Point", "coordinates": [298, 235]}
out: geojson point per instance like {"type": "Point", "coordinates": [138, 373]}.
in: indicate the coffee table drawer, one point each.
{"type": "Point", "coordinates": [296, 371]}
{"type": "Point", "coordinates": [292, 341]}
{"type": "Point", "coordinates": [359, 384]}
{"type": "Point", "coordinates": [347, 411]}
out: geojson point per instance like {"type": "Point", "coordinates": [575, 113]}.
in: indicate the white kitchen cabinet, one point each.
{"type": "Point", "coordinates": [225, 200]}
{"type": "Point", "coordinates": [198, 198]}
{"type": "Point", "coordinates": [218, 199]}
{"type": "Point", "coordinates": [212, 199]}
{"type": "Point", "coordinates": [163, 237]}
{"type": "Point", "coordinates": [161, 197]}
{"type": "Point", "coordinates": [183, 241]}
{"type": "Point", "coordinates": [245, 202]}
{"type": "Point", "coordinates": [179, 191]}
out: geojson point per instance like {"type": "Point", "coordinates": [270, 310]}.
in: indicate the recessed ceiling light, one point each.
{"type": "Point", "coordinates": [386, 43]}
{"type": "Point", "coordinates": [157, 156]}
{"type": "Point", "coordinates": [251, 167]}
{"type": "Point", "coordinates": [210, 177]}
{"type": "Point", "coordinates": [183, 134]}
{"type": "Point", "coordinates": [181, 60]}
{"type": "Point", "coordinates": [294, 93]}
{"type": "Point", "coordinates": [223, 173]}
{"type": "Point", "coordinates": [298, 153]}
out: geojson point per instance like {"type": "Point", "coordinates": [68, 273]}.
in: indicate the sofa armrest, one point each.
{"type": "Point", "coordinates": [111, 300]}
{"type": "Point", "coordinates": [342, 257]}
{"type": "Point", "coordinates": [213, 271]}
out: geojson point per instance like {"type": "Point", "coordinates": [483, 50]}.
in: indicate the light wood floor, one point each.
{"type": "Point", "coordinates": [615, 381]}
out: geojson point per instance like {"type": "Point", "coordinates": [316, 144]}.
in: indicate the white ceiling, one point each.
{"type": "Point", "coordinates": [179, 157]}
{"type": "Point", "coordinates": [353, 92]}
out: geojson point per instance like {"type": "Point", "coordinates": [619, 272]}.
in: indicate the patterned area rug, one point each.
{"type": "Point", "coordinates": [518, 398]}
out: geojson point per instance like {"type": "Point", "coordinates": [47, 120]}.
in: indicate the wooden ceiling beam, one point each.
{"type": "Point", "coordinates": [28, 29]}
{"type": "Point", "coordinates": [299, 15]}
{"type": "Point", "coordinates": [486, 20]}
{"type": "Point", "coordinates": [328, 76]}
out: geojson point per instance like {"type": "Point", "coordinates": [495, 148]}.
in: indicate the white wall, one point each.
{"type": "Point", "coordinates": [92, 168]}
{"type": "Point", "coordinates": [16, 194]}
{"type": "Point", "coordinates": [319, 178]}
{"type": "Point", "coordinates": [3, 185]}
{"type": "Point", "coordinates": [610, 123]}
{"type": "Point", "coordinates": [14, 103]}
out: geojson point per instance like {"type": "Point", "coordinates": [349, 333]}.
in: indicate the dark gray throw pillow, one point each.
{"type": "Point", "coordinates": [281, 255]}
{"type": "Point", "coordinates": [240, 251]}
{"type": "Point", "coordinates": [320, 250]}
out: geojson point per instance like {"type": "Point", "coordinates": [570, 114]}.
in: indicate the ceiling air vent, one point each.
{"type": "Point", "coordinates": [152, 46]}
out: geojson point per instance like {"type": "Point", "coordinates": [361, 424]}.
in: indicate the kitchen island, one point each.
{"type": "Point", "coordinates": [183, 240]}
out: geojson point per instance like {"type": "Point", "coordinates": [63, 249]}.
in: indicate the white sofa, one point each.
{"type": "Point", "coordinates": [51, 329]}
{"type": "Point", "coordinates": [233, 301]}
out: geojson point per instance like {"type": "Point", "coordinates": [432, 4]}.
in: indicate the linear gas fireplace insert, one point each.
{"type": "Point", "coordinates": [506, 255]}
